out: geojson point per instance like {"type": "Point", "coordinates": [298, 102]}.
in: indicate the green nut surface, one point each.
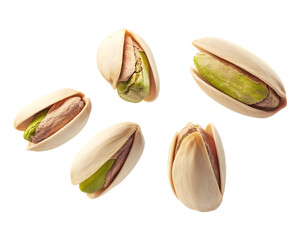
{"type": "Point", "coordinates": [138, 86]}
{"type": "Point", "coordinates": [97, 180]}
{"type": "Point", "coordinates": [229, 80]}
{"type": "Point", "coordinates": [35, 122]}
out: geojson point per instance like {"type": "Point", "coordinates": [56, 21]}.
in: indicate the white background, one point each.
{"type": "Point", "coordinates": [45, 46]}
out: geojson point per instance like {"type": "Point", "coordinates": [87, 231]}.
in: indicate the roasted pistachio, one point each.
{"type": "Point", "coordinates": [196, 167]}
{"type": "Point", "coordinates": [107, 158]}
{"type": "Point", "coordinates": [237, 78]}
{"type": "Point", "coordinates": [53, 119]}
{"type": "Point", "coordinates": [126, 62]}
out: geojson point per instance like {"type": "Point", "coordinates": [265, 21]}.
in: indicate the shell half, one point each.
{"type": "Point", "coordinates": [191, 175]}
{"type": "Point", "coordinates": [245, 60]}
{"type": "Point", "coordinates": [25, 116]}
{"type": "Point", "coordinates": [110, 60]}
{"type": "Point", "coordinates": [100, 149]}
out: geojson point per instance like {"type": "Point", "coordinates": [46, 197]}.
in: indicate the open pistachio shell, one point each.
{"type": "Point", "coordinates": [247, 61]}
{"type": "Point", "coordinates": [101, 148]}
{"type": "Point", "coordinates": [25, 116]}
{"type": "Point", "coordinates": [191, 174]}
{"type": "Point", "coordinates": [110, 60]}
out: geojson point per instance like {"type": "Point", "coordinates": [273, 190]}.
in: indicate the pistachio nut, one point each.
{"type": "Point", "coordinates": [196, 167]}
{"type": "Point", "coordinates": [107, 158]}
{"type": "Point", "coordinates": [237, 79]}
{"type": "Point", "coordinates": [125, 60]}
{"type": "Point", "coordinates": [53, 119]}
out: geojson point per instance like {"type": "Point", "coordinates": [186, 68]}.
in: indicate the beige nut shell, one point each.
{"type": "Point", "coordinates": [25, 116]}
{"type": "Point", "coordinates": [110, 60]}
{"type": "Point", "coordinates": [191, 175]}
{"type": "Point", "coordinates": [245, 60]}
{"type": "Point", "coordinates": [101, 148]}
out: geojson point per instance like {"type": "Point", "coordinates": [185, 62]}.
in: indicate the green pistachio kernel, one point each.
{"type": "Point", "coordinates": [138, 86]}
{"type": "Point", "coordinates": [230, 80]}
{"type": "Point", "coordinates": [35, 122]}
{"type": "Point", "coordinates": [97, 180]}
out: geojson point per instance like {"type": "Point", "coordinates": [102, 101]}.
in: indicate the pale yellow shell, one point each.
{"type": "Point", "coordinates": [110, 59]}
{"type": "Point", "coordinates": [245, 60]}
{"type": "Point", "coordinates": [25, 116]}
{"type": "Point", "coordinates": [191, 175]}
{"type": "Point", "coordinates": [102, 147]}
